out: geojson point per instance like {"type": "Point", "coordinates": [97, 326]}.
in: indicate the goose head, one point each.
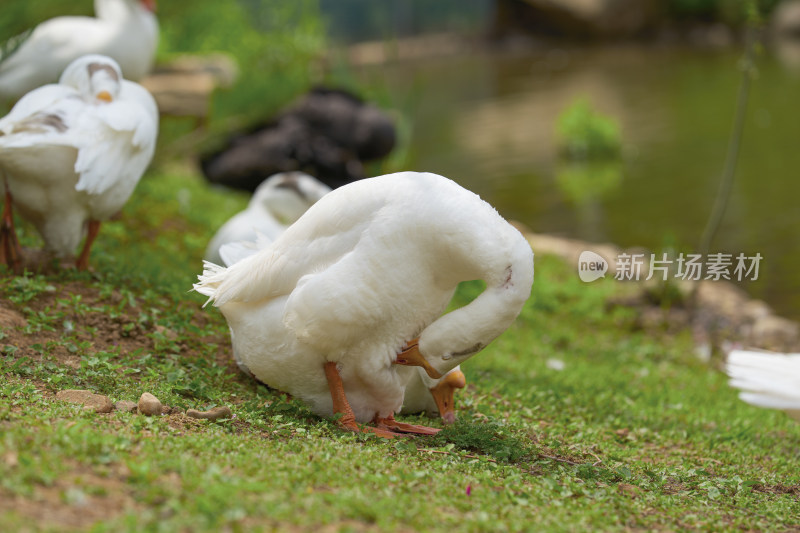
{"type": "Point", "coordinates": [286, 196]}
{"type": "Point", "coordinates": [94, 76]}
{"type": "Point", "coordinates": [115, 9]}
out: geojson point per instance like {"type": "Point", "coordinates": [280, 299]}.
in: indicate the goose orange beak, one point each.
{"type": "Point", "coordinates": [150, 5]}
{"type": "Point", "coordinates": [105, 96]}
{"type": "Point", "coordinates": [443, 394]}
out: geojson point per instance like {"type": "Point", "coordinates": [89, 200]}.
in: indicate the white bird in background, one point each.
{"type": "Point", "coordinates": [277, 202]}
{"type": "Point", "coordinates": [71, 154]}
{"type": "Point", "coordinates": [767, 379]}
{"type": "Point", "coordinates": [125, 30]}
{"type": "Point", "coordinates": [358, 285]}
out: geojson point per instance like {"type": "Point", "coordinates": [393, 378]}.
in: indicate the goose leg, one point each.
{"type": "Point", "coordinates": [391, 424]}
{"type": "Point", "coordinates": [411, 356]}
{"type": "Point", "coordinates": [341, 405]}
{"type": "Point", "coordinates": [91, 235]}
{"type": "Point", "coordinates": [10, 250]}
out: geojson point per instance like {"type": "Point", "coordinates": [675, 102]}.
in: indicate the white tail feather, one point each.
{"type": "Point", "coordinates": [209, 280]}
{"type": "Point", "coordinates": [766, 379]}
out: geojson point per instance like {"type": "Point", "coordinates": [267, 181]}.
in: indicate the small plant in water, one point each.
{"type": "Point", "coordinates": [584, 134]}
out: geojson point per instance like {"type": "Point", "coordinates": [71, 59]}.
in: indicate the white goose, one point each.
{"type": "Point", "coordinates": [767, 379]}
{"type": "Point", "coordinates": [72, 153]}
{"type": "Point", "coordinates": [125, 30]}
{"type": "Point", "coordinates": [277, 202]}
{"type": "Point", "coordinates": [358, 284]}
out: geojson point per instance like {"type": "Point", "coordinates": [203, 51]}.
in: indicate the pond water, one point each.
{"type": "Point", "coordinates": [487, 120]}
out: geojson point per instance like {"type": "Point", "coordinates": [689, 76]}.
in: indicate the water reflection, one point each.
{"type": "Point", "coordinates": [584, 185]}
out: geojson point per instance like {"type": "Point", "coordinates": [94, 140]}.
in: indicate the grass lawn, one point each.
{"type": "Point", "coordinates": [574, 419]}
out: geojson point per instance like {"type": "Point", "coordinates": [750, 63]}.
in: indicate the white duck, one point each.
{"type": "Point", "coordinates": [358, 284]}
{"type": "Point", "coordinates": [767, 379]}
{"type": "Point", "coordinates": [276, 203]}
{"type": "Point", "coordinates": [72, 153]}
{"type": "Point", "coordinates": [125, 30]}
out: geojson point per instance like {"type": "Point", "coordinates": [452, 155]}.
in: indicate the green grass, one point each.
{"type": "Point", "coordinates": [633, 433]}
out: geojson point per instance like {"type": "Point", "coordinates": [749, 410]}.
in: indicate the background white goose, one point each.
{"type": "Point", "coordinates": [323, 312]}
{"type": "Point", "coordinates": [767, 379]}
{"type": "Point", "coordinates": [277, 202]}
{"type": "Point", "coordinates": [125, 30]}
{"type": "Point", "coordinates": [72, 153]}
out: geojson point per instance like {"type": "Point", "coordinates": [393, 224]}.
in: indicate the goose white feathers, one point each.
{"type": "Point", "coordinates": [358, 278]}
{"type": "Point", "coordinates": [277, 202]}
{"type": "Point", "coordinates": [769, 380]}
{"type": "Point", "coordinates": [125, 30]}
{"type": "Point", "coordinates": [71, 154]}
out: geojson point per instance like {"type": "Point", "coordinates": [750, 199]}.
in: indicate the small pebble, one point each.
{"type": "Point", "coordinates": [96, 402]}
{"type": "Point", "coordinates": [630, 490]}
{"type": "Point", "coordinates": [126, 406]}
{"type": "Point", "coordinates": [212, 414]}
{"type": "Point", "coordinates": [168, 333]}
{"type": "Point", "coordinates": [149, 405]}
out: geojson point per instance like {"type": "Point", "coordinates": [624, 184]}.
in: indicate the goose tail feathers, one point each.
{"type": "Point", "coordinates": [209, 280]}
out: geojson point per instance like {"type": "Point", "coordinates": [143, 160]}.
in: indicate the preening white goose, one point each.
{"type": "Point", "coordinates": [767, 379]}
{"type": "Point", "coordinates": [357, 286]}
{"type": "Point", "coordinates": [125, 30]}
{"type": "Point", "coordinates": [72, 153]}
{"type": "Point", "coordinates": [277, 202]}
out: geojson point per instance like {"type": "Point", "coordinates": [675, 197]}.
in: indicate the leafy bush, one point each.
{"type": "Point", "coordinates": [585, 134]}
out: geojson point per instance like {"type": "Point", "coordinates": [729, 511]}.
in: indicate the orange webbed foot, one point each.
{"type": "Point", "coordinates": [391, 424]}
{"type": "Point", "coordinates": [349, 423]}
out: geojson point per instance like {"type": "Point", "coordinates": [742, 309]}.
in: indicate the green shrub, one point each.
{"type": "Point", "coordinates": [585, 134]}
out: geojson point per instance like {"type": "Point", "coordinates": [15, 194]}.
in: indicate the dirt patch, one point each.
{"type": "Point", "coordinates": [75, 501]}
{"type": "Point", "coordinates": [673, 486]}
{"type": "Point", "coordinates": [11, 319]}
{"type": "Point", "coordinates": [76, 317]}
{"type": "Point", "coordinates": [777, 489]}
{"type": "Point", "coordinates": [58, 318]}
